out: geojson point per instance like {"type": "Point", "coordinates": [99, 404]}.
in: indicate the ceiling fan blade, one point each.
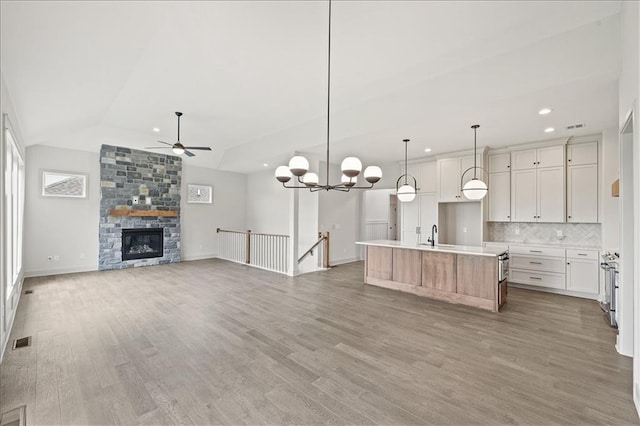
{"type": "Point", "coordinates": [189, 153]}
{"type": "Point", "coordinates": [204, 148]}
{"type": "Point", "coordinates": [157, 147]}
{"type": "Point", "coordinates": [166, 143]}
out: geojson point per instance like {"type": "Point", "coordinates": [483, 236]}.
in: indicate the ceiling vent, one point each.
{"type": "Point", "coordinates": [576, 126]}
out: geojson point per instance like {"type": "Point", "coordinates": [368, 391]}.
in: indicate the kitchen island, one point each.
{"type": "Point", "coordinates": [457, 274]}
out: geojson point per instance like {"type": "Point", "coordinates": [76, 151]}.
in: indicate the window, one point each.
{"type": "Point", "coordinates": [14, 207]}
{"type": "Point", "coordinates": [61, 184]}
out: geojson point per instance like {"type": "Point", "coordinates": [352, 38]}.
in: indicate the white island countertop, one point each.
{"type": "Point", "coordinates": [444, 248]}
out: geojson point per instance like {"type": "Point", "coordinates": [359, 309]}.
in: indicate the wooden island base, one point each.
{"type": "Point", "coordinates": [467, 279]}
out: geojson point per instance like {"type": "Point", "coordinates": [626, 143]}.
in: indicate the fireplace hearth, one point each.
{"type": "Point", "coordinates": [142, 243]}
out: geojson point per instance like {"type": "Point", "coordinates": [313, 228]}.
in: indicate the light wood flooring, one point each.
{"type": "Point", "coordinates": [215, 342]}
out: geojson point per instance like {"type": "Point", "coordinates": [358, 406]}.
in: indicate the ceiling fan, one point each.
{"type": "Point", "coordinates": [177, 147]}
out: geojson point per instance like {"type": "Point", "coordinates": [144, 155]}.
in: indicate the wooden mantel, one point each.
{"type": "Point", "coordinates": [170, 213]}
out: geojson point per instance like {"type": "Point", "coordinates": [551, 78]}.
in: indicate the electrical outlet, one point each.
{"type": "Point", "coordinates": [517, 231]}
{"type": "Point", "coordinates": [559, 234]}
{"type": "Point", "coordinates": [148, 201]}
{"type": "Point", "coordinates": [56, 257]}
{"type": "Point", "coordinates": [464, 229]}
{"type": "Point", "coordinates": [135, 200]}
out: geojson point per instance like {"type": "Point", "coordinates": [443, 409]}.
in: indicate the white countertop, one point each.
{"type": "Point", "coordinates": [559, 244]}
{"type": "Point", "coordinates": [444, 248]}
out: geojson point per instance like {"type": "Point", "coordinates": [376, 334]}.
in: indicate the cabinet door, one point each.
{"type": "Point", "coordinates": [499, 197]}
{"type": "Point", "coordinates": [582, 193]}
{"type": "Point", "coordinates": [410, 221]}
{"type": "Point", "coordinates": [448, 179]}
{"type": "Point", "coordinates": [521, 160]}
{"type": "Point", "coordinates": [551, 194]}
{"type": "Point", "coordinates": [551, 156]}
{"type": "Point", "coordinates": [499, 163]}
{"type": "Point", "coordinates": [583, 275]}
{"type": "Point", "coordinates": [523, 195]}
{"type": "Point", "coordinates": [582, 153]}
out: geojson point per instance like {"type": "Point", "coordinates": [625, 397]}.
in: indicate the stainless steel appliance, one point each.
{"type": "Point", "coordinates": [503, 274]}
{"type": "Point", "coordinates": [609, 304]}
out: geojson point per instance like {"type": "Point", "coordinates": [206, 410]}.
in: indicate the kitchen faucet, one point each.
{"type": "Point", "coordinates": [432, 240]}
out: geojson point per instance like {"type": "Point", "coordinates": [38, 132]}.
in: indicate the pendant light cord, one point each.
{"type": "Point", "coordinates": [475, 155]}
{"type": "Point", "coordinates": [328, 91]}
{"type": "Point", "coordinates": [178, 129]}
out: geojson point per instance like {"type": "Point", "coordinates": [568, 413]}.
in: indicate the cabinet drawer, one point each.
{"type": "Point", "coordinates": [537, 251]}
{"type": "Point", "coordinates": [538, 264]}
{"type": "Point", "coordinates": [537, 278]}
{"type": "Point", "coordinates": [582, 254]}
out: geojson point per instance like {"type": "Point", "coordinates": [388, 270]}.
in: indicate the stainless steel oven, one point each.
{"type": "Point", "coordinates": [503, 266]}
{"type": "Point", "coordinates": [609, 304]}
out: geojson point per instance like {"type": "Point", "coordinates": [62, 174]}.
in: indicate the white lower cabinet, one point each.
{"type": "Point", "coordinates": [583, 271]}
{"type": "Point", "coordinates": [539, 266]}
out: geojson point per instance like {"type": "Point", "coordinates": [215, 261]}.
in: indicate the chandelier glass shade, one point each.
{"type": "Point", "coordinates": [474, 189]}
{"type": "Point", "coordinates": [404, 191]}
{"type": "Point", "coordinates": [351, 166]}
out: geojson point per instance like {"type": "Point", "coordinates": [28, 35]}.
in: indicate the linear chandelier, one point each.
{"type": "Point", "coordinates": [406, 192]}
{"type": "Point", "coordinates": [351, 166]}
{"type": "Point", "coordinates": [475, 189]}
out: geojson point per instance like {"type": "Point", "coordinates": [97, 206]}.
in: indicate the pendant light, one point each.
{"type": "Point", "coordinates": [406, 192]}
{"type": "Point", "coordinates": [475, 189]}
{"type": "Point", "coordinates": [351, 166]}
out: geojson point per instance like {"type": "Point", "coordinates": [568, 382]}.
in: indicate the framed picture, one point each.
{"type": "Point", "coordinates": [63, 184]}
{"type": "Point", "coordinates": [199, 194]}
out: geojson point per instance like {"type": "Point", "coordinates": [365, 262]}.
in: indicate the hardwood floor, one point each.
{"type": "Point", "coordinates": [215, 342]}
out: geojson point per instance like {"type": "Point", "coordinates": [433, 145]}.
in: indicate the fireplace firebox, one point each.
{"type": "Point", "coordinates": [142, 243]}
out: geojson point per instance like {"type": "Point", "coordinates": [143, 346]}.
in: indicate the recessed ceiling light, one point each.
{"type": "Point", "coordinates": [266, 165]}
{"type": "Point", "coordinates": [549, 130]}
{"type": "Point", "coordinates": [155, 129]}
{"type": "Point", "coordinates": [544, 111]}
{"type": "Point", "coordinates": [427, 150]}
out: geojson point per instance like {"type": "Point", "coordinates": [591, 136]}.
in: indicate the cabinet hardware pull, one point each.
{"type": "Point", "coordinates": [582, 254]}
{"type": "Point", "coordinates": [535, 251]}
{"type": "Point", "coordinates": [535, 278]}
{"type": "Point", "coordinates": [569, 160]}
{"type": "Point", "coordinates": [568, 263]}
{"type": "Point", "coordinates": [569, 217]}
{"type": "Point", "coordinates": [536, 263]}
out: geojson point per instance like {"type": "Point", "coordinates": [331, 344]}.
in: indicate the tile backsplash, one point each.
{"type": "Point", "coordinates": [573, 234]}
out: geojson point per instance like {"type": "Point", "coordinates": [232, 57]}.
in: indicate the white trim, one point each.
{"type": "Point", "coordinates": [199, 256]}
{"type": "Point", "coordinates": [60, 271]}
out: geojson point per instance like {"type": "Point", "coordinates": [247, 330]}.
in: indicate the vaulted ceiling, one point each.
{"type": "Point", "coordinates": [250, 76]}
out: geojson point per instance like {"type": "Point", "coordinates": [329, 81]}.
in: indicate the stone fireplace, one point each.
{"type": "Point", "coordinates": [140, 192]}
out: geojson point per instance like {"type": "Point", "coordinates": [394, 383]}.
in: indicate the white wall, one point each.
{"type": "Point", "coordinates": [268, 204]}
{"type": "Point", "coordinates": [460, 223]}
{"type": "Point", "coordinates": [629, 96]}
{"type": "Point", "coordinates": [609, 206]}
{"type": "Point", "coordinates": [8, 303]}
{"type": "Point", "coordinates": [63, 227]}
{"type": "Point", "coordinates": [198, 222]}
{"type": "Point", "coordinates": [339, 215]}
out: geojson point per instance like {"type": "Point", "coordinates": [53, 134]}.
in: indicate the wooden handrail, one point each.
{"type": "Point", "coordinates": [321, 238]}
{"type": "Point", "coordinates": [218, 230]}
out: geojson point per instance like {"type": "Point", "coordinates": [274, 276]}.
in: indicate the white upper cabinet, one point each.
{"type": "Point", "coordinates": [522, 160]}
{"type": "Point", "coordinates": [449, 172]}
{"type": "Point", "coordinates": [499, 163]}
{"type": "Point", "coordinates": [550, 194]}
{"type": "Point", "coordinates": [582, 153]}
{"type": "Point", "coordinates": [551, 156]}
{"type": "Point", "coordinates": [426, 176]}
{"type": "Point", "coordinates": [523, 196]}
{"type": "Point", "coordinates": [499, 196]}
{"type": "Point", "coordinates": [582, 193]}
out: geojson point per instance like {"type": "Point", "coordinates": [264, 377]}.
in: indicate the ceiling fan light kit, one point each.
{"type": "Point", "coordinates": [406, 192]}
{"type": "Point", "coordinates": [177, 147]}
{"type": "Point", "coordinates": [475, 189]}
{"type": "Point", "coordinates": [351, 166]}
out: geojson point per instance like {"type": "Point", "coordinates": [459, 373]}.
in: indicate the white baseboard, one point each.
{"type": "Point", "coordinates": [343, 261]}
{"type": "Point", "coordinates": [199, 256]}
{"type": "Point", "coordinates": [60, 271]}
{"type": "Point", "coordinates": [555, 291]}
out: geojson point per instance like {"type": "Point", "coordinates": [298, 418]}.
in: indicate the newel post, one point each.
{"type": "Point", "coordinates": [248, 245]}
